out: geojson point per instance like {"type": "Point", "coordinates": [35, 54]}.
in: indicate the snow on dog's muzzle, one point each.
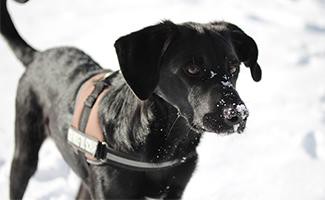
{"type": "Point", "coordinates": [229, 119]}
{"type": "Point", "coordinates": [236, 116]}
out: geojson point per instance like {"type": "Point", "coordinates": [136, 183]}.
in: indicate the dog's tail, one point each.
{"type": "Point", "coordinates": [24, 52]}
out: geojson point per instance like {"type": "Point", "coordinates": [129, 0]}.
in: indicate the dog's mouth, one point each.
{"type": "Point", "coordinates": [215, 122]}
{"type": "Point", "coordinates": [212, 124]}
{"type": "Point", "coordinates": [237, 128]}
{"type": "Point", "coordinates": [220, 129]}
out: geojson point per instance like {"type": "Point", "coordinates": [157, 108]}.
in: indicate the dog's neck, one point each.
{"type": "Point", "coordinates": [152, 126]}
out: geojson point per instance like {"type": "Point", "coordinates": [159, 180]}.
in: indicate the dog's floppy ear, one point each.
{"type": "Point", "coordinates": [139, 55]}
{"type": "Point", "coordinates": [247, 52]}
{"type": "Point", "coordinates": [245, 46]}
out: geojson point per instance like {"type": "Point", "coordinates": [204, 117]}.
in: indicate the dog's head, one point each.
{"type": "Point", "coordinates": [193, 67]}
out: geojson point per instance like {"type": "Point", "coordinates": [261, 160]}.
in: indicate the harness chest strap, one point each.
{"type": "Point", "coordinates": [89, 137]}
{"type": "Point", "coordinates": [83, 135]}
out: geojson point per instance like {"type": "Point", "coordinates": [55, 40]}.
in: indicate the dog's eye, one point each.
{"type": "Point", "coordinates": [193, 70]}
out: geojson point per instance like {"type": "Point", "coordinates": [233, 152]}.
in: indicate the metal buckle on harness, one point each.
{"type": "Point", "coordinates": [100, 154]}
{"type": "Point", "coordinates": [101, 151]}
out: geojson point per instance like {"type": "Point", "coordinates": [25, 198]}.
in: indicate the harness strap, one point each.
{"type": "Point", "coordinates": [112, 158]}
{"type": "Point", "coordinates": [106, 156]}
{"type": "Point", "coordinates": [85, 131]}
{"type": "Point", "coordinates": [89, 103]}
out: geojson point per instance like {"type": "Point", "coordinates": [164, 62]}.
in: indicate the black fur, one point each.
{"type": "Point", "coordinates": [24, 52]}
{"type": "Point", "coordinates": [155, 110]}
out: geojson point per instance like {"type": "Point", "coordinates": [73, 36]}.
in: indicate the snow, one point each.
{"type": "Point", "coordinates": [236, 126]}
{"type": "Point", "coordinates": [281, 155]}
{"type": "Point", "coordinates": [242, 110]}
{"type": "Point", "coordinates": [226, 83]}
{"type": "Point", "coordinates": [212, 74]}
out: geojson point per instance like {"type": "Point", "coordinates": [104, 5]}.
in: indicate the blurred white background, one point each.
{"type": "Point", "coordinates": [280, 156]}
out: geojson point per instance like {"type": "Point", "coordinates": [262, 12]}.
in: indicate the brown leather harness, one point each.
{"type": "Point", "coordinates": [86, 109]}
{"type": "Point", "coordinates": [86, 135]}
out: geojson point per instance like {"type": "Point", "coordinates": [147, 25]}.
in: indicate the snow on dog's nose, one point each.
{"type": "Point", "coordinates": [235, 115]}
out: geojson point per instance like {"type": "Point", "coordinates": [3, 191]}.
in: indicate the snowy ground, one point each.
{"type": "Point", "coordinates": [282, 153]}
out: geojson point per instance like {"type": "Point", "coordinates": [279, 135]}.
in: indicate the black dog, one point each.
{"type": "Point", "coordinates": [176, 82]}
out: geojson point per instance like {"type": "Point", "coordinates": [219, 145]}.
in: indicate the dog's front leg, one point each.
{"type": "Point", "coordinates": [179, 177]}
{"type": "Point", "coordinates": [83, 192]}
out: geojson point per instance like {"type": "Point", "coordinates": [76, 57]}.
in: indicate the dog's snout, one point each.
{"type": "Point", "coordinates": [235, 115]}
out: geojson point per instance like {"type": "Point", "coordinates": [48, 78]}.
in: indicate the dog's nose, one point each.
{"type": "Point", "coordinates": [235, 115]}
{"type": "Point", "coordinates": [231, 116]}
